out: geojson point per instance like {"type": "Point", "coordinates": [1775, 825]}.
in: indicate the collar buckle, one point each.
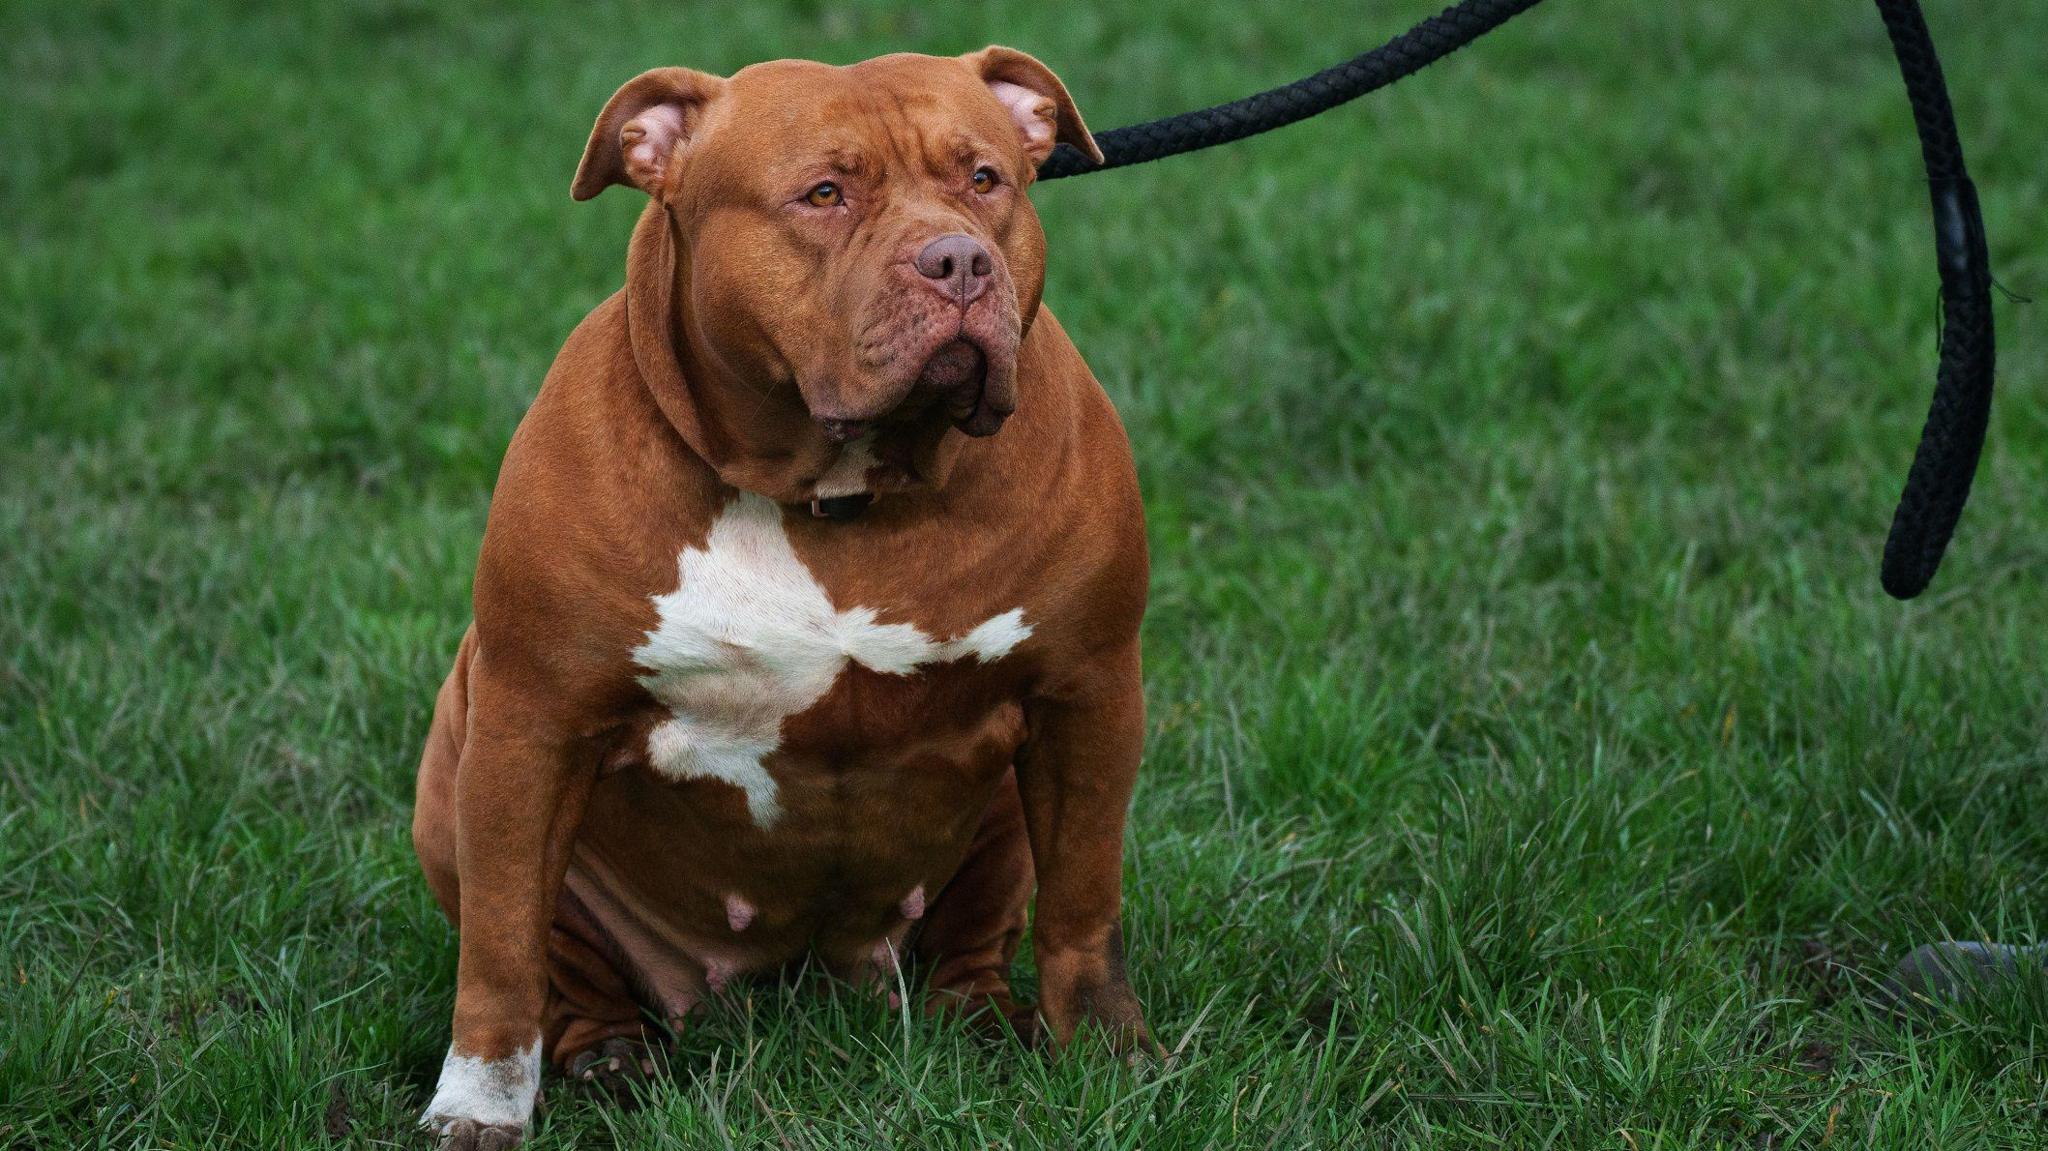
{"type": "Point", "coordinates": [840, 509]}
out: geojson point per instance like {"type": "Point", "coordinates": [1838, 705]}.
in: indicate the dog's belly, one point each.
{"type": "Point", "coordinates": [688, 891]}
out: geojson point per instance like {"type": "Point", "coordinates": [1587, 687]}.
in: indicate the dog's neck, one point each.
{"type": "Point", "coordinates": [755, 433]}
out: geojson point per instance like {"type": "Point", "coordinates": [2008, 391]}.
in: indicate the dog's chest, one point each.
{"type": "Point", "coordinates": [749, 639]}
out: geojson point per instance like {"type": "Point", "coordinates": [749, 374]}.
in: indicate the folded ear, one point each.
{"type": "Point", "coordinates": [641, 128]}
{"type": "Point", "coordinates": [1036, 100]}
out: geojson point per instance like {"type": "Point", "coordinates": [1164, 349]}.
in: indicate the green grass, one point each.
{"type": "Point", "coordinates": [1534, 760]}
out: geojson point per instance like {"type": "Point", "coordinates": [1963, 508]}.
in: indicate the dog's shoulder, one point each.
{"type": "Point", "coordinates": [593, 502]}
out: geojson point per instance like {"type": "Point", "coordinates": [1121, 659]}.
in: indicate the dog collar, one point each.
{"type": "Point", "coordinates": [840, 509]}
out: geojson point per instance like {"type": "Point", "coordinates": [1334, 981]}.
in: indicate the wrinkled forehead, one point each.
{"type": "Point", "coordinates": [889, 113]}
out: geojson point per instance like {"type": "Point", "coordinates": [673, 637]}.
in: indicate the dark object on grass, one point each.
{"type": "Point", "coordinates": [1936, 973]}
{"type": "Point", "coordinates": [1944, 465]}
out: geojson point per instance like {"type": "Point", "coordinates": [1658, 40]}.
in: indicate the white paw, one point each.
{"type": "Point", "coordinates": [484, 1103]}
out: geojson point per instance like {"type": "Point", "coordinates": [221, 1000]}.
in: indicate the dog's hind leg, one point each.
{"type": "Point", "coordinates": [969, 935]}
{"type": "Point", "coordinates": [595, 1029]}
{"type": "Point", "coordinates": [433, 812]}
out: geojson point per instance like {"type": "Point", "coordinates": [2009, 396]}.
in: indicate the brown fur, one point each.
{"type": "Point", "coordinates": [585, 887]}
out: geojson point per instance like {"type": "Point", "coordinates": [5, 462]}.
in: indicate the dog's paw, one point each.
{"type": "Point", "coordinates": [1020, 1020]}
{"type": "Point", "coordinates": [483, 1104]}
{"type": "Point", "coordinates": [1124, 1035]}
{"type": "Point", "coordinates": [1086, 995]}
{"type": "Point", "coordinates": [470, 1135]}
{"type": "Point", "coordinates": [990, 1014]}
{"type": "Point", "coordinates": [1104, 1017]}
{"type": "Point", "coordinates": [614, 1067]}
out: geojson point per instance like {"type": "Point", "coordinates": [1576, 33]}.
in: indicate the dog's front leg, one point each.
{"type": "Point", "coordinates": [1075, 772]}
{"type": "Point", "coordinates": [519, 796]}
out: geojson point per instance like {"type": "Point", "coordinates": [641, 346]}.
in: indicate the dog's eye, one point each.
{"type": "Point", "coordinates": [985, 180]}
{"type": "Point", "coordinates": [825, 195]}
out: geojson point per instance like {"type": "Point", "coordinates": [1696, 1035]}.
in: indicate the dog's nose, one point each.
{"type": "Point", "coordinates": [957, 265]}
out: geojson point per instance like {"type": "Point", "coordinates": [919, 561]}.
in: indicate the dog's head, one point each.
{"type": "Point", "coordinates": [859, 233]}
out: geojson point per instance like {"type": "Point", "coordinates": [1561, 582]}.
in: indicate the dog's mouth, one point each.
{"type": "Point", "coordinates": [956, 376]}
{"type": "Point", "coordinates": [953, 381]}
{"type": "Point", "coordinates": [958, 365]}
{"type": "Point", "coordinates": [959, 373]}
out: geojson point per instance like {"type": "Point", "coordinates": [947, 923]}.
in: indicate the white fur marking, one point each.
{"type": "Point", "coordinates": [848, 475]}
{"type": "Point", "coordinates": [749, 638]}
{"type": "Point", "coordinates": [493, 1091]}
{"type": "Point", "coordinates": [994, 638]}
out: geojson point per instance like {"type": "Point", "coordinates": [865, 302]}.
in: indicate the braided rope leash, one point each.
{"type": "Point", "coordinates": [1945, 463]}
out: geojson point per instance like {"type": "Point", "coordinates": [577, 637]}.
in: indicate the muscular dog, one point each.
{"type": "Point", "coordinates": [780, 648]}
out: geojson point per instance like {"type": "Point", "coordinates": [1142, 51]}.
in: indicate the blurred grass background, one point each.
{"type": "Point", "coordinates": [1535, 761]}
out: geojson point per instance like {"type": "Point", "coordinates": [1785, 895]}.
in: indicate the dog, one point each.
{"type": "Point", "coordinates": [806, 616]}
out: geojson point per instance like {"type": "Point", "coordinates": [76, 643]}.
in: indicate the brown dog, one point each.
{"type": "Point", "coordinates": [780, 650]}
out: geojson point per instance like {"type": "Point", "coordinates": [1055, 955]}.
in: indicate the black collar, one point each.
{"type": "Point", "coordinates": [840, 509]}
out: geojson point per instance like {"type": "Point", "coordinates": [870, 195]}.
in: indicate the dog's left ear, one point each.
{"type": "Point", "coordinates": [641, 129]}
{"type": "Point", "coordinates": [1036, 100]}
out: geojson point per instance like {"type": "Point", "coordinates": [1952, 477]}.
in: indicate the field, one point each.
{"type": "Point", "coordinates": [1534, 760]}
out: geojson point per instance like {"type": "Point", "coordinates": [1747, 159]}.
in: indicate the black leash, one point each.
{"type": "Point", "coordinates": [1938, 485]}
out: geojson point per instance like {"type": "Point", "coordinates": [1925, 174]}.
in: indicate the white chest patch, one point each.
{"type": "Point", "coordinates": [749, 638]}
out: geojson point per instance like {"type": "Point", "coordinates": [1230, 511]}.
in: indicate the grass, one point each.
{"type": "Point", "coordinates": [1535, 761]}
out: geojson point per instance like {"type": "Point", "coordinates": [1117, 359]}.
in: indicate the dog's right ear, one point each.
{"type": "Point", "coordinates": [641, 129]}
